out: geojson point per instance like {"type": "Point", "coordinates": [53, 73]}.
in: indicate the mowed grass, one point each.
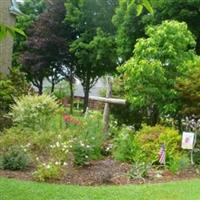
{"type": "Point", "coordinates": [20, 190]}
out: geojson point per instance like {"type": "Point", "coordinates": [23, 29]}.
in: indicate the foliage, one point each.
{"type": "Point", "coordinates": [61, 90]}
{"type": "Point", "coordinates": [46, 172]}
{"type": "Point", "coordinates": [178, 10]}
{"type": "Point", "coordinates": [129, 27]}
{"type": "Point", "coordinates": [47, 47]}
{"type": "Point", "coordinates": [179, 163]}
{"type": "Point", "coordinates": [59, 150]}
{"type": "Point", "coordinates": [31, 9]}
{"type": "Point", "coordinates": [82, 153]}
{"type": "Point", "coordinates": [127, 114]}
{"type": "Point", "coordinates": [139, 170]}
{"type": "Point", "coordinates": [124, 148]}
{"type": "Point", "coordinates": [5, 30]}
{"type": "Point", "coordinates": [34, 112]}
{"type": "Point", "coordinates": [92, 21]}
{"type": "Point", "coordinates": [6, 92]}
{"type": "Point", "coordinates": [187, 87]}
{"type": "Point", "coordinates": [15, 159]}
{"type": "Point", "coordinates": [13, 85]}
{"type": "Point", "coordinates": [83, 141]}
{"type": "Point", "coordinates": [88, 140]}
{"type": "Point", "coordinates": [150, 139]}
{"type": "Point", "coordinates": [153, 72]}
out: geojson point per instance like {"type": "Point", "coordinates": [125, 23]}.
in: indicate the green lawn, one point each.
{"type": "Point", "coordinates": [19, 190]}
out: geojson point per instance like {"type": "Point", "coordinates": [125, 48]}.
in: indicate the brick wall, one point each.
{"type": "Point", "coordinates": [6, 45]}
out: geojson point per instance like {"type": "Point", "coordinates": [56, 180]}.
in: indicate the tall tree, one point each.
{"type": "Point", "coordinates": [94, 47]}
{"type": "Point", "coordinates": [48, 46]}
{"type": "Point", "coordinates": [150, 75]}
{"type": "Point", "coordinates": [188, 89]}
{"type": "Point", "coordinates": [180, 10]}
{"type": "Point", "coordinates": [129, 27]}
{"type": "Point", "coordinates": [31, 10]}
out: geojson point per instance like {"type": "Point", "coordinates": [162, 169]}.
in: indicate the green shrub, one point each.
{"type": "Point", "coordinates": [82, 153]}
{"type": "Point", "coordinates": [149, 140]}
{"type": "Point", "coordinates": [15, 159]}
{"type": "Point", "coordinates": [124, 148]}
{"type": "Point", "coordinates": [47, 172]}
{"type": "Point", "coordinates": [179, 163]}
{"type": "Point", "coordinates": [11, 86]}
{"type": "Point", "coordinates": [88, 139]}
{"type": "Point", "coordinates": [13, 136]}
{"type": "Point", "coordinates": [139, 170]}
{"type": "Point", "coordinates": [49, 146]}
{"type": "Point", "coordinates": [59, 149]}
{"type": "Point", "coordinates": [34, 112]}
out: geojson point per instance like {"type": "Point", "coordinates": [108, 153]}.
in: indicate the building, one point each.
{"type": "Point", "coordinates": [8, 13]}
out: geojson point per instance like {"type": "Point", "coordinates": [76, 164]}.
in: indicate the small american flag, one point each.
{"type": "Point", "coordinates": [162, 155]}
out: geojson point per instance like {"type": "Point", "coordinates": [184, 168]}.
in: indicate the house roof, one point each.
{"type": "Point", "coordinates": [14, 8]}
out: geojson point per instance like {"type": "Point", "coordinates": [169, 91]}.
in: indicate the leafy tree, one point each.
{"type": "Point", "coordinates": [188, 88]}
{"type": "Point", "coordinates": [94, 48]}
{"type": "Point", "coordinates": [47, 46]}
{"type": "Point", "coordinates": [150, 75]}
{"type": "Point", "coordinates": [129, 27]}
{"type": "Point", "coordinates": [31, 10]}
{"type": "Point", "coordinates": [181, 10]}
{"type": "Point", "coordinates": [125, 114]}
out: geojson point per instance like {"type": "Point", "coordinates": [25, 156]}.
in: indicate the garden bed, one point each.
{"type": "Point", "coordinates": [107, 172]}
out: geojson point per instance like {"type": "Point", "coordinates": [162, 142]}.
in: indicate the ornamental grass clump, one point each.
{"type": "Point", "coordinates": [34, 112]}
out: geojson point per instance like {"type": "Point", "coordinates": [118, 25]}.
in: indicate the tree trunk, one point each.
{"type": "Point", "coordinates": [86, 98]}
{"type": "Point", "coordinates": [40, 89]}
{"type": "Point", "coordinates": [52, 86]}
{"type": "Point", "coordinates": [107, 107]}
{"type": "Point", "coordinates": [71, 94]}
{"type": "Point", "coordinates": [86, 87]}
{"type": "Point", "coordinates": [154, 117]}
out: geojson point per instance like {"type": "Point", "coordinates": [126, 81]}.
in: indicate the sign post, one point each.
{"type": "Point", "coordinates": [188, 142]}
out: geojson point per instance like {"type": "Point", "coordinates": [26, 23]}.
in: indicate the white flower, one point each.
{"type": "Point", "coordinates": [86, 156]}
{"type": "Point", "coordinates": [57, 144]}
{"type": "Point", "coordinates": [107, 149]}
{"type": "Point", "coordinates": [65, 164]}
{"type": "Point", "coordinates": [48, 166]}
{"type": "Point", "coordinates": [82, 144]}
{"type": "Point", "coordinates": [57, 163]}
{"type": "Point", "coordinates": [88, 146]}
{"type": "Point", "coordinates": [28, 145]}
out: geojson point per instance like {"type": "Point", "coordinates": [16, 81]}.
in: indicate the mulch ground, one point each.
{"type": "Point", "coordinates": [107, 171]}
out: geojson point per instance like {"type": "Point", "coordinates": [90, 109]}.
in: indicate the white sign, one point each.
{"type": "Point", "coordinates": [188, 140]}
